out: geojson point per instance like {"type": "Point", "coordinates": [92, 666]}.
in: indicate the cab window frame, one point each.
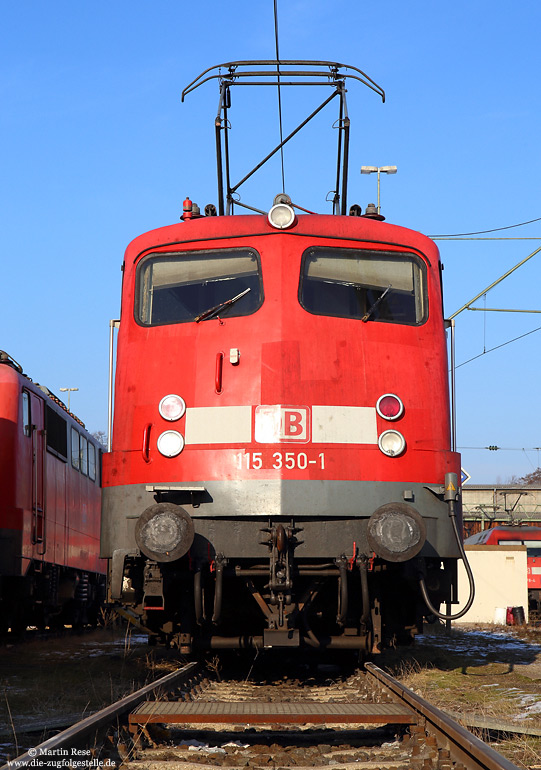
{"type": "Point", "coordinates": [246, 251]}
{"type": "Point", "coordinates": [339, 251]}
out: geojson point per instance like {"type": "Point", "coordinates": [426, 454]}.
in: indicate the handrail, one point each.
{"type": "Point", "coordinates": [113, 324]}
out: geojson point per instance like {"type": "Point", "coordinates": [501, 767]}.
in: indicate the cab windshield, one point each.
{"type": "Point", "coordinates": [365, 285]}
{"type": "Point", "coordinates": [196, 286]}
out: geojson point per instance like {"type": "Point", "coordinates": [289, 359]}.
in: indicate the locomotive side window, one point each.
{"type": "Point", "coordinates": [57, 433]}
{"type": "Point", "coordinates": [366, 285]}
{"type": "Point", "coordinates": [27, 428]}
{"type": "Point", "coordinates": [196, 286]}
{"type": "Point", "coordinates": [91, 461]}
{"type": "Point", "coordinates": [84, 455]}
{"type": "Point", "coordinates": [75, 451]}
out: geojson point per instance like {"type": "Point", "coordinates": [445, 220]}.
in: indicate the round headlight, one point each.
{"type": "Point", "coordinates": [281, 216]}
{"type": "Point", "coordinates": [172, 407]}
{"type": "Point", "coordinates": [396, 532]}
{"type": "Point", "coordinates": [170, 443]}
{"type": "Point", "coordinates": [390, 407]}
{"type": "Point", "coordinates": [164, 532]}
{"type": "Point", "coordinates": [392, 443]}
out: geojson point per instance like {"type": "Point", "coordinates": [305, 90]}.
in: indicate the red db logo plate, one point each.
{"type": "Point", "coordinates": [276, 424]}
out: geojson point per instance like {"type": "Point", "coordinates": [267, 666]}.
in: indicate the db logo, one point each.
{"type": "Point", "coordinates": [277, 423]}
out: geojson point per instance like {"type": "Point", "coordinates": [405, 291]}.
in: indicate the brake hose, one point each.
{"type": "Point", "coordinates": [451, 483]}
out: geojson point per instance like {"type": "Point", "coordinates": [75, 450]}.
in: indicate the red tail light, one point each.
{"type": "Point", "coordinates": [390, 407]}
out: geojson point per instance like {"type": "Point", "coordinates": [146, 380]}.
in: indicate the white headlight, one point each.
{"type": "Point", "coordinates": [170, 443]}
{"type": "Point", "coordinates": [392, 443]}
{"type": "Point", "coordinates": [172, 407]}
{"type": "Point", "coordinates": [281, 216]}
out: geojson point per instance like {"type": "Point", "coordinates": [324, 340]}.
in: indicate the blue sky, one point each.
{"type": "Point", "coordinates": [97, 148]}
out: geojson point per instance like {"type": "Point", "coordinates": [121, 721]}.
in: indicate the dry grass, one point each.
{"type": "Point", "coordinates": [523, 750]}
{"type": "Point", "coordinates": [462, 683]}
{"type": "Point", "coordinates": [51, 680]}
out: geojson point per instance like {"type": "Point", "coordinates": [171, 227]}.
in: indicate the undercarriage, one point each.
{"type": "Point", "coordinates": [51, 596]}
{"type": "Point", "coordinates": [357, 601]}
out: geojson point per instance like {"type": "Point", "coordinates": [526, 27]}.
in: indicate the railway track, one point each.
{"type": "Point", "coordinates": [370, 720]}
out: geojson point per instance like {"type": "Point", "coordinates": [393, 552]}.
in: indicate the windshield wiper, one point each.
{"type": "Point", "coordinates": [216, 309]}
{"type": "Point", "coordinates": [369, 312]}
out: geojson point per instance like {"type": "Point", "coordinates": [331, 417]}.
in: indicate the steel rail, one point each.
{"type": "Point", "coordinates": [50, 751]}
{"type": "Point", "coordinates": [462, 745]}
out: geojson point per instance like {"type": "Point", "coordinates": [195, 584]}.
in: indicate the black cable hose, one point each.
{"type": "Point", "coordinates": [469, 573]}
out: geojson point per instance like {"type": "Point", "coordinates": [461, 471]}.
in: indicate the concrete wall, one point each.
{"type": "Point", "coordinates": [501, 581]}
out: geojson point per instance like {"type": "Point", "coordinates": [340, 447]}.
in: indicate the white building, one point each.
{"type": "Point", "coordinates": [501, 581]}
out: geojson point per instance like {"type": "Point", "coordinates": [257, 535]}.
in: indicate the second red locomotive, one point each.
{"type": "Point", "coordinates": [50, 570]}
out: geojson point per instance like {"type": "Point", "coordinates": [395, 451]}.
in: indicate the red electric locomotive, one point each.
{"type": "Point", "coordinates": [50, 570]}
{"type": "Point", "coordinates": [281, 472]}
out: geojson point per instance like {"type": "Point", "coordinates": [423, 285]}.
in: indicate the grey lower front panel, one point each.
{"type": "Point", "coordinates": [228, 516]}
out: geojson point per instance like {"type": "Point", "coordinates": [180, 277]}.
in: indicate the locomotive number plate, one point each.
{"type": "Point", "coordinates": [278, 461]}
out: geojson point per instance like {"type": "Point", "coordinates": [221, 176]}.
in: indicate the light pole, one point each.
{"type": "Point", "coordinates": [69, 392]}
{"type": "Point", "coordinates": [378, 170]}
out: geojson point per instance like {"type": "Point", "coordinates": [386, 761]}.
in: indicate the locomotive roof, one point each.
{"type": "Point", "coordinates": [503, 487]}
{"type": "Point", "coordinates": [513, 528]}
{"type": "Point", "coordinates": [335, 227]}
{"type": "Point", "coordinates": [9, 361]}
{"type": "Point", "coordinates": [481, 538]}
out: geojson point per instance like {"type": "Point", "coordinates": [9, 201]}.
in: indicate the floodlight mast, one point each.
{"type": "Point", "coordinates": [378, 170]}
{"type": "Point", "coordinates": [69, 391]}
{"type": "Point", "coordinates": [302, 72]}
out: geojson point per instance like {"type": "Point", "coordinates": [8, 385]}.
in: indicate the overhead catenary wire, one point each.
{"type": "Point", "coordinates": [494, 448]}
{"type": "Point", "coordinates": [495, 283]}
{"type": "Point", "coordinates": [483, 232]}
{"type": "Point", "coordinates": [279, 93]}
{"type": "Point", "coordinates": [484, 292]}
{"type": "Point", "coordinates": [496, 347]}
{"type": "Point", "coordinates": [458, 239]}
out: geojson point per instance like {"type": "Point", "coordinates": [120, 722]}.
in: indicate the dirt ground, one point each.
{"type": "Point", "coordinates": [58, 681]}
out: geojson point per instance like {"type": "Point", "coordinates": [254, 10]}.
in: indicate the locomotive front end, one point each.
{"type": "Point", "coordinates": [281, 473]}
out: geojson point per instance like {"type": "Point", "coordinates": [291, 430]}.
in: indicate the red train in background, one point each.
{"type": "Point", "coordinates": [281, 473]}
{"type": "Point", "coordinates": [50, 570]}
{"type": "Point", "coordinates": [518, 535]}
